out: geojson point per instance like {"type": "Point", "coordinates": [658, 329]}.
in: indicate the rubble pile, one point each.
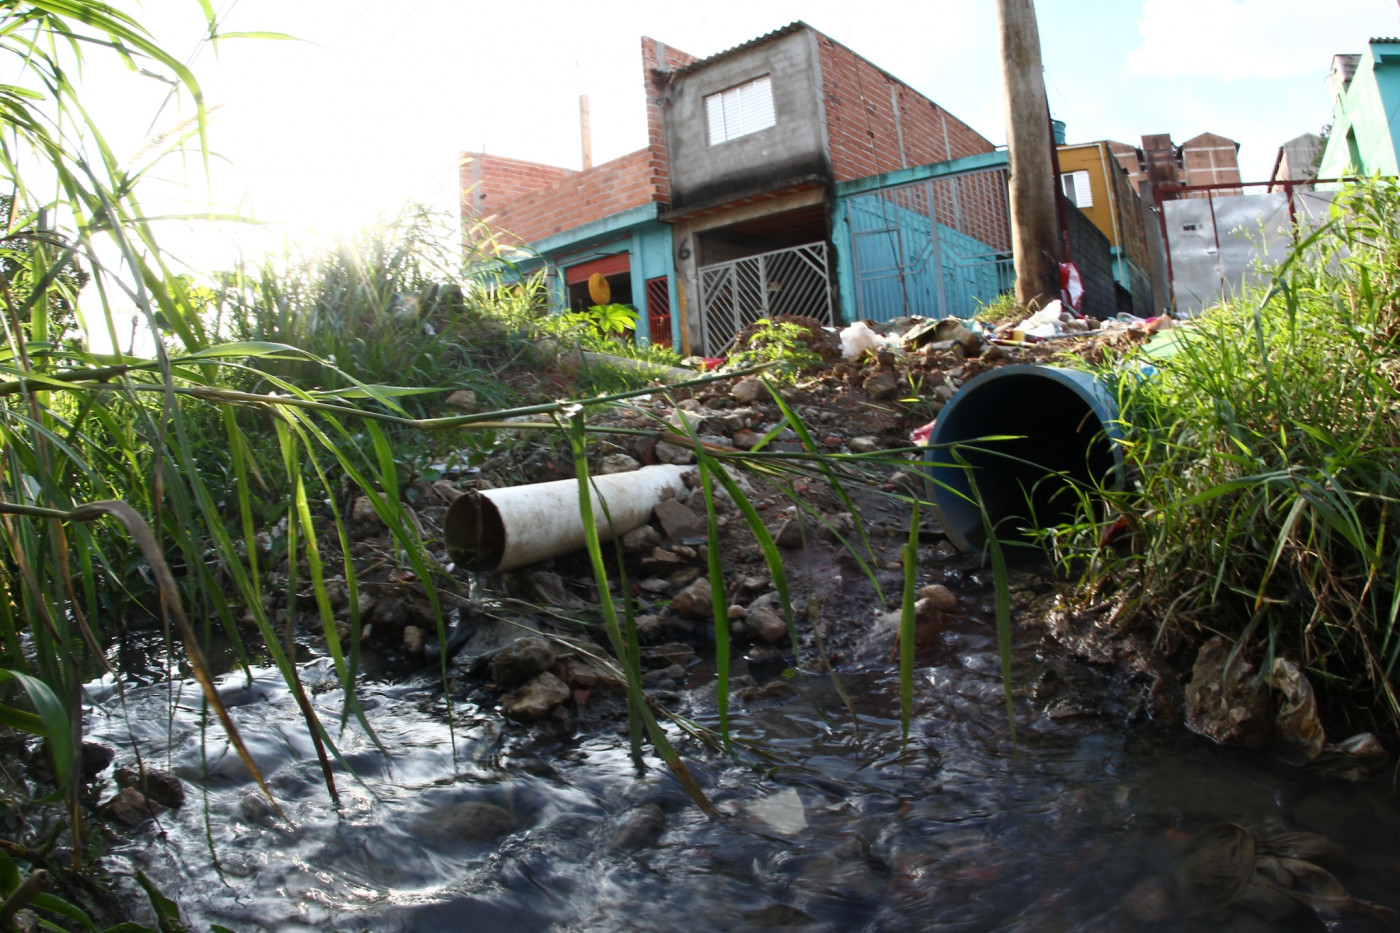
{"type": "Point", "coordinates": [875, 383]}
{"type": "Point", "coordinates": [915, 365]}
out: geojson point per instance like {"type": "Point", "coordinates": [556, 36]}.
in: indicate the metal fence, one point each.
{"type": "Point", "coordinates": [786, 281]}
{"type": "Point", "coordinates": [659, 311]}
{"type": "Point", "coordinates": [1218, 244]}
{"type": "Point", "coordinates": [937, 248]}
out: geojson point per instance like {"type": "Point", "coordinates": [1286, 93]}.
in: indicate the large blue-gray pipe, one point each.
{"type": "Point", "coordinates": [1063, 424]}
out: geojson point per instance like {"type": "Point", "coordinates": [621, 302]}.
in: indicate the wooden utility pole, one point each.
{"type": "Point", "coordinates": [1035, 228]}
{"type": "Point", "coordinates": [585, 132]}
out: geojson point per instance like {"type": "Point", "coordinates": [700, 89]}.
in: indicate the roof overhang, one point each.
{"type": "Point", "coordinates": [729, 201]}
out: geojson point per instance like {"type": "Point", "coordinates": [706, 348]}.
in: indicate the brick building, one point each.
{"type": "Point", "coordinates": [785, 175]}
{"type": "Point", "coordinates": [1207, 159]}
{"type": "Point", "coordinates": [1095, 182]}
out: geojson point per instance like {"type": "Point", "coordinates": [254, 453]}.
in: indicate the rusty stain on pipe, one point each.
{"type": "Point", "coordinates": [492, 530]}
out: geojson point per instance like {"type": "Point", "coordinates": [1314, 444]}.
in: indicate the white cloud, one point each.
{"type": "Point", "coordinates": [1230, 40]}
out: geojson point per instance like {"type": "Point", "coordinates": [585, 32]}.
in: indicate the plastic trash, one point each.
{"type": "Point", "coordinates": [1044, 323]}
{"type": "Point", "coordinates": [857, 339]}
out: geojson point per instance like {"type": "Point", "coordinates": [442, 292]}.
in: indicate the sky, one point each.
{"type": "Point", "coordinates": [373, 102]}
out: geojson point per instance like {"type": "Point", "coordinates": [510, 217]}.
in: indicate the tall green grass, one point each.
{"type": "Point", "coordinates": [190, 462]}
{"type": "Point", "coordinates": [387, 305]}
{"type": "Point", "coordinates": [276, 397]}
{"type": "Point", "coordinates": [1265, 456]}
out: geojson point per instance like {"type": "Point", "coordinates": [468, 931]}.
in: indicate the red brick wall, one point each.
{"type": "Point", "coordinates": [491, 182]}
{"type": "Point", "coordinates": [1210, 159]}
{"type": "Point", "coordinates": [1127, 157]}
{"type": "Point", "coordinates": [527, 201]}
{"type": "Point", "coordinates": [657, 60]}
{"type": "Point", "coordinates": [860, 119]}
{"type": "Point", "coordinates": [580, 198]}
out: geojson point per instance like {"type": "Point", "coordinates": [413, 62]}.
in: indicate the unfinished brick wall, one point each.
{"type": "Point", "coordinates": [527, 201]}
{"type": "Point", "coordinates": [1129, 215]}
{"type": "Point", "coordinates": [490, 182]}
{"type": "Point", "coordinates": [872, 131]}
{"type": "Point", "coordinates": [1210, 159]}
{"type": "Point", "coordinates": [1130, 157]}
{"type": "Point", "coordinates": [580, 198]}
{"type": "Point", "coordinates": [658, 61]}
{"type": "Point", "coordinates": [1207, 159]}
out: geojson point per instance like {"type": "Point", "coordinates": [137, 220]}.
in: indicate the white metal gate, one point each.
{"type": "Point", "coordinates": [937, 248]}
{"type": "Point", "coordinates": [786, 281]}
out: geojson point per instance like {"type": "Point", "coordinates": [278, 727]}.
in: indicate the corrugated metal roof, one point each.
{"type": "Point", "coordinates": [1384, 39]}
{"type": "Point", "coordinates": [766, 37]}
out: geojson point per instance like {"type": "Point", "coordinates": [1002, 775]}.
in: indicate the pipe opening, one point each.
{"type": "Point", "coordinates": [1063, 424]}
{"type": "Point", "coordinates": [474, 533]}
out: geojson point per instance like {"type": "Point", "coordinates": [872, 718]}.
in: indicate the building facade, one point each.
{"type": "Point", "coordinates": [1297, 159]}
{"type": "Point", "coordinates": [1206, 159]}
{"type": "Point", "coordinates": [741, 205]}
{"type": "Point", "coordinates": [1365, 136]}
{"type": "Point", "coordinates": [1094, 180]}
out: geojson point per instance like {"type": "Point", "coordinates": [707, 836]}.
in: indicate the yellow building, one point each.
{"type": "Point", "coordinates": [1094, 182]}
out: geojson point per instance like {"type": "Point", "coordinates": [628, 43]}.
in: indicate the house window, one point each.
{"type": "Point", "coordinates": [740, 110]}
{"type": "Point", "coordinates": [1353, 152]}
{"type": "Point", "coordinates": [1077, 190]}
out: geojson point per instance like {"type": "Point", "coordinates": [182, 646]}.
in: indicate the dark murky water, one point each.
{"type": "Point", "coordinates": [1078, 826]}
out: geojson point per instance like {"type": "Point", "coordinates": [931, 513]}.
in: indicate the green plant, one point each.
{"type": "Point", "coordinates": [1000, 310]}
{"type": "Point", "coordinates": [609, 320]}
{"type": "Point", "coordinates": [783, 343]}
{"type": "Point", "coordinates": [384, 306]}
{"type": "Point", "coordinates": [921, 403]}
{"type": "Point", "coordinates": [1263, 454]}
{"type": "Point", "coordinates": [264, 404]}
{"type": "Point", "coordinates": [24, 251]}
{"type": "Point", "coordinates": [90, 438]}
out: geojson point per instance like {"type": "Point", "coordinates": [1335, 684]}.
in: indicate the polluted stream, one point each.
{"type": "Point", "coordinates": [465, 821]}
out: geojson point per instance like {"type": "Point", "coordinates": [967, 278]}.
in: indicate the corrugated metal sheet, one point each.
{"type": "Point", "coordinates": [1218, 243]}
{"type": "Point", "coordinates": [937, 248]}
{"type": "Point", "coordinates": [766, 37]}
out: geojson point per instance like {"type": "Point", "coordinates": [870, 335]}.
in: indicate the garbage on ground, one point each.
{"type": "Point", "coordinates": [1047, 322]}
{"type": "Point", "coordinates": [1071, 285]}
{"type": "Point", "coordinates": [1354, 759]}
{"type": "Point", "coordinates": [859, 339]}
{"type": "Point", "coordinates": [782, 812]}
{"type": "Point", "coordinates": [919, 436]}
{"type": "Point", "coordinates": [1267, 871]}
{"type": "Point", "coordinates": [499, 529]}
{"type": "Point", "coordinates": [1296, 723]}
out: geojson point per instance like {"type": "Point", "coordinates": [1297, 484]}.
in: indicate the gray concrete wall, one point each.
{"type": "Point", "coordinates": [1093, 256]}
{"type": "Point", "coordinates": [794, 147]}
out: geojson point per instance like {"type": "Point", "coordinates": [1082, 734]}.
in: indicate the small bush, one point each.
{"type": "Point", "coordinates": [1266, 469]}
{"type": "Point", "coordinates": [785, 343]}
{"type": "Point", "coordinates": [1000, 310]}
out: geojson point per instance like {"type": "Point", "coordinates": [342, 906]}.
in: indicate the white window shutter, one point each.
{"type": "Point", "coordinates": [740, 110]}
{"type": "Point", "coordinates": [714, 115]}
{"type": "Point", "coordinates": [756, 105]}
{"type": "Point", "coordinates": [1083, 193]}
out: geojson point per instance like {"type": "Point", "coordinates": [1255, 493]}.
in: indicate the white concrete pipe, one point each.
{"type": "Point", "coordinates": [500, 529]}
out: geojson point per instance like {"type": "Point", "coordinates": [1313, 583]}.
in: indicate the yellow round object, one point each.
{"type": "Point", "coordinates": [598, 289]}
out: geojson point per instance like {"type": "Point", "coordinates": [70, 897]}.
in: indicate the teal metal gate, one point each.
{"type": "Point", "coordinates": [936, 248]}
